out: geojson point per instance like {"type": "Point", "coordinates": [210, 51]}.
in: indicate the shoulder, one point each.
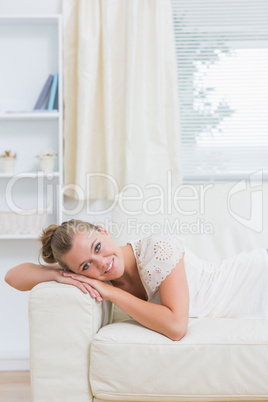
{"type": "Point", "coordinates": [161, 244]}
{"type": "Point", "coordinates": [156, 256]}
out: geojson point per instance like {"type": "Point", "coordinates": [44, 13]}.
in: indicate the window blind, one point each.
{"type": "Point", "coordinates": [222, 65]}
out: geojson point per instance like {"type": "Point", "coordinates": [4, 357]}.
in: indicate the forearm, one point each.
{"type": "Point", "coordinates": [159, 318]}
{"type": "Point", "coordinates": [27, 275]}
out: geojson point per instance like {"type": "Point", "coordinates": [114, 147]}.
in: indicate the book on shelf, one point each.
{"type": "Point", "coordinates": [53, 93]}
{"type": "Point", "coordinates": [44, 93]}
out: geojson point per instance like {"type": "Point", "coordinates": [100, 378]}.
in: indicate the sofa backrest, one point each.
{"type": "Point", "coordinates": [216, 221]}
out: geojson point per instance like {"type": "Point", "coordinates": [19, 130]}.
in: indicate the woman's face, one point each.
{"type": "Point", "coordinates": [95, 255]}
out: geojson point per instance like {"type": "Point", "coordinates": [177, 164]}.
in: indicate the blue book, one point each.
{"type": "Point", "coordinates": [53, 93]}
{"type": "Point", "coordinates": [44, 93]}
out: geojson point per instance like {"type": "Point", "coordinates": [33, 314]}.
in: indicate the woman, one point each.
{"type": "Point", "coordinates": [148, 278]}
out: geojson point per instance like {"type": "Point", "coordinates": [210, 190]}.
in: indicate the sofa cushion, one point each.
{"type": "Point", "coordinates": [218, 359]}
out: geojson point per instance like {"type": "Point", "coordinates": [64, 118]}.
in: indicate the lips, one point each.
{"type": "Point", "coordinates": [110, 268]}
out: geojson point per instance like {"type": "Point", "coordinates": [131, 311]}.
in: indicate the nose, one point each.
{"type": "Point", "coordinates": [101, 262]}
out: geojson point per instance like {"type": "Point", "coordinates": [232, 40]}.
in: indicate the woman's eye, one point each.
{"type": "Point", "coordinates": [97, 248]}
{"type": "Point", "coordinates": [86, 266]}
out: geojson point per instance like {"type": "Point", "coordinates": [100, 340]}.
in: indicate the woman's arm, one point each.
{"type": "Point", "coordinates": [170, 318]}
{"type": "Point", "coordinates": [27, 275]}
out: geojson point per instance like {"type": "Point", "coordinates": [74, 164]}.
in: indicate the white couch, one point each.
{"type": "Point", "coordinates": [80, 352]}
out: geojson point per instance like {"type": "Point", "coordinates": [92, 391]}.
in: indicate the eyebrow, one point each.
{"type": "Point", "coordinates": [92, 244]}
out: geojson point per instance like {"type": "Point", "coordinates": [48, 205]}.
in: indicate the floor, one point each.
{"type": "Point", "coordinates": [15, 386]}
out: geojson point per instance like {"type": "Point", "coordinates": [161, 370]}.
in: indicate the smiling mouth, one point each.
{"type": "Point", "coordinates": [110, 267]}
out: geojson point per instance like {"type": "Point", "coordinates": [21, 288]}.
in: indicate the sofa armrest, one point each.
{"type": "Point", "coordinates": [62, 323]}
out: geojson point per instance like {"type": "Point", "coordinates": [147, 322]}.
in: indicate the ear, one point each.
{"type": "Point", "coordinates": [104, 231]}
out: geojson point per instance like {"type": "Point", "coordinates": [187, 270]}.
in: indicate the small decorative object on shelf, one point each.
{"type": "Point", "coordinates": [8, 161]}
{"type": "Point", "coordinates": [47, 160]}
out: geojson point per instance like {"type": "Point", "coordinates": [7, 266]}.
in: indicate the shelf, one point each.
{"type": "Point", "coordinates": [19, 237]}
{"type": "Point", "coordinates": [30, 175]}
{"type": "Point", "coordinates": [30, 115]}
{"type": "Point", "coordinates": [29, 19]}
{"type": "Point", "coordinates": [35, 41]}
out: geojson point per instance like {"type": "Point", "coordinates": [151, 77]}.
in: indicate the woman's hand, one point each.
{"type": "Point", "coordinates": [96, 289]}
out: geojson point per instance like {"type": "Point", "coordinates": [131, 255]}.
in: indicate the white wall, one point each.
{"type": "Point", "coordinates": [14, 339]}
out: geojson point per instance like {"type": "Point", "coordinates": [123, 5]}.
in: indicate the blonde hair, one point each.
{"type": "Point", "coordinates": [57, 240]}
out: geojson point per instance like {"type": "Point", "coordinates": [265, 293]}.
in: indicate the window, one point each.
{"type": "Point", "coordinates": [222, 64]}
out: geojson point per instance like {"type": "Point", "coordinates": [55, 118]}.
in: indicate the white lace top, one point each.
{"type": "Point", "coordinates": [238, 287]}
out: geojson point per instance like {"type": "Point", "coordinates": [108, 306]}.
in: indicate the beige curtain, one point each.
{"type": "Point", "coordinates": [120, 95]}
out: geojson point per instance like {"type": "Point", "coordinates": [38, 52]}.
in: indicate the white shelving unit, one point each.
{"type": "Point", "coordinates": [31, 50]}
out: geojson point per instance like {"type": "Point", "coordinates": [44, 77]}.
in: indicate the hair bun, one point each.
{"type": "Point", "coordinates": [46, 239]}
